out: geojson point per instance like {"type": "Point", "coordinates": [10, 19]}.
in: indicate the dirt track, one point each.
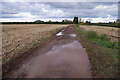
{"type": "Point", "coordinates": [62, 56]}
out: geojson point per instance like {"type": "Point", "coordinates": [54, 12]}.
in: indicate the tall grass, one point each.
{"type": "Point", "coordinates": [101, 40]}
{"type": "Point", "coordinates": [102, 52]}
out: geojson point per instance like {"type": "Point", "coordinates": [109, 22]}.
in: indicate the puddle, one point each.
{"type": "Point", "coordinates": [60, 33]}
{"type": "Point", "coordinates": [63, 30]}
{"type": "Point", "coordinates": [68, 60]}
{"type": "Point", "coordinates": [73, 35]}
{"type": "Point", "coordinates": [60, 49]}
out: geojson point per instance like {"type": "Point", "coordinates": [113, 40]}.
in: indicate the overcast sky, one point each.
{"type": "Point", "coordinates": [56, 11]}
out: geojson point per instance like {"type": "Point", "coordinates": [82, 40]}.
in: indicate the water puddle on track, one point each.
{"type": "Point", "coordinates": [64, 61]}
{"type": "Point", "coordinates": [60, 33]}
{"type": "Point", "coordinates": [73, 35]}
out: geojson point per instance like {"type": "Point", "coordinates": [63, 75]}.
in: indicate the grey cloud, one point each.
{"type": "Point", "coordinates": [69, 9]}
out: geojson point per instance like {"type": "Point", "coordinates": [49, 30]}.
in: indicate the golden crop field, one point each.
{"type": "Point", "coordinates": [112, 32]}
{"type": "Point", "coordinates": [16, 37]}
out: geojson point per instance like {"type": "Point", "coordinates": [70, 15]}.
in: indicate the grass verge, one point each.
{"type": "Point", "coordinates": [103, 54]}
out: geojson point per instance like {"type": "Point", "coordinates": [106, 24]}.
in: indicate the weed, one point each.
{"type": "Point", "coordinates": [103, 54]}
{"type": "Point", "coordinates": [104, 37]}
{"type": "Point", "coordinates": [91, 35]}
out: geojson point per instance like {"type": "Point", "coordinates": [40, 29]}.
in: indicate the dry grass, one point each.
{"type": "Point", "coordinates": [110, 31]}
{"type": "Point", "coordinates": [17, 37]}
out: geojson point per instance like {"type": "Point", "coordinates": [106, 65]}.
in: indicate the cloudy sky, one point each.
{"type": "Point", "coordinates": [56, 11]}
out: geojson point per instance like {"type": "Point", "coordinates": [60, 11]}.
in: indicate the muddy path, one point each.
{"type": "Point", "coordinates": [61, 56]}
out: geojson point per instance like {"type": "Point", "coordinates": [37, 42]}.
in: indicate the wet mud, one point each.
{"type": "Point", "coordinates": [63, 57]}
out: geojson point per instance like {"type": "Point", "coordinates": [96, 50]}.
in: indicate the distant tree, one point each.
{"type": "Point", "coordinates": [88, 21]}
{"type": "Point", "coordinates": [66, 20]}
{"type": "Point", "coordinates": [63, 21]}
{"type": "Point", "coordinates": [75, 20]}
{"type": "Point", "coordinates": [49, 21]}
{"type": "Point", "coordinates": [110, 22]}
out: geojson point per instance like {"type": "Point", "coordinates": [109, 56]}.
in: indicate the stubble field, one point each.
{"type": "Point", "coordinates": [111, 32]}
{"type": "Point", "coordinates": [17, 38]}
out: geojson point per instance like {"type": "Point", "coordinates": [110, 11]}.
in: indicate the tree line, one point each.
{"type": "Point", "coordinates": [76, 20]}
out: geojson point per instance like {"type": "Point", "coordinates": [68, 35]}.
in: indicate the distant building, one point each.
{"type": "Point", "coordinates": [68, 21]}
{"type": "Point", "coordinates": [39, 21]}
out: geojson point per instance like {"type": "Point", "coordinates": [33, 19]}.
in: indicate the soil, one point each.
{"type": "Point", "coordinates": [61, 56]}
